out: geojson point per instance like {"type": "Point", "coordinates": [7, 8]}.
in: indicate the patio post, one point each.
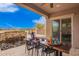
{"type": "Point", "coordinates": [48, 27]}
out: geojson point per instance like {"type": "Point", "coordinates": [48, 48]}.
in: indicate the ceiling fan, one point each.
{"type": "Point", "coordinates": [47, 4]}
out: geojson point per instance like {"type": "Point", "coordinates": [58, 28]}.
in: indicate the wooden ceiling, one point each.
{"type": "Point", "coordinates": [46, 9]}
{"type": "Point", "coordinates": [57, 7]}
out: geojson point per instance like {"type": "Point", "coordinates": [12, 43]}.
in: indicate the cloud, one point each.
{"type": "Point", "coordinates": [9, 25]}
{"type": "Point", "coordinates": [8, 7]}
{"type": "Point", "coordinates": [41, 20]}
{"type": "Point", "coordinates": [12, 26]}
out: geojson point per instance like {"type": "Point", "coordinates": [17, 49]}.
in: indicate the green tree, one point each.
{"type": "Point", "coordinates": [39, 26]}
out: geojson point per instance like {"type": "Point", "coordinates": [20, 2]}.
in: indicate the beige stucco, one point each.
{"type": "Point", "coordinates": [48, 28]}
{"type": "Point", "coordinates": [75, 38]}
{"type": "Point", "coordinates": [76, 31]}
{"type": "Point", "coordinates": [74, 14]}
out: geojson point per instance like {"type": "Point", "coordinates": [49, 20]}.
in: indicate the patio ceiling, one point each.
{"type": "Point", "coordinates": [46, 9]}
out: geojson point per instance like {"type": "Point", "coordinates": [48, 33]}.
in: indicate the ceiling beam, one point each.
{"type": "Point", "coordinates": [34, 8]}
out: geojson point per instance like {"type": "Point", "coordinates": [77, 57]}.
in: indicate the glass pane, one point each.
{"type": "Point", "coordinates": [66, 31]}
{"type": "Point", "coordinates": [56, 32]}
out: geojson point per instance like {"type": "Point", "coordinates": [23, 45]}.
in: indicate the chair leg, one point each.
{"type": "Point", "coordinates": [37, 52]}
{"type": "Point", "coordinates": [60, 53]}
{"type": "Point", "coordinates": [46, 54]}
{"type": "Point", "coordinates": [32, 52]}
{"type": "Point", "coordinates": [49, 54]}
{"type": "Point", "coordinates": [56, 53]}
{"type": "Point", "coordinates": [28, 53]}
{"type": "Point", "coordinates": [42, 53]}
{"type": "Point", "coordinates": [25, 49]}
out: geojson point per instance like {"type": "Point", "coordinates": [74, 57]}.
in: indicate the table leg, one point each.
{"type": "Point", "coordinates": [32, 52]}
{"type": "Point", "coordinates": [37, 52]}
{"type": "Point", "coordinates": [25, 49]}
{"type": "Point", "coordinates": [60, 53]}
{"type": "Point", "coordinates": [56, 53]}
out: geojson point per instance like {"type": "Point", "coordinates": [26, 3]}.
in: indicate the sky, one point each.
{"type": "Point", "coordinates": [14, 16]}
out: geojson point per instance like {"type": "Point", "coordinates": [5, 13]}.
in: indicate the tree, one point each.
{"type": "Point", "coordinates": [39, 26]}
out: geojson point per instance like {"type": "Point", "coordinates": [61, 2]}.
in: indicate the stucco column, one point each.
{"type": "Point", "coordinates": [48, 28]}
{"type": "Point", "coordinates": [75, 35]}
{"type": "Point", "coordinates": [75, 26]}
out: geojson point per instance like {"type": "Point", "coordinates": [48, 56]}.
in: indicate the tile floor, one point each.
{"type": "Point", "coordinates": [19, 51]}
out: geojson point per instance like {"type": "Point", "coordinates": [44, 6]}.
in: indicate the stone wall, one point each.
{"type": "Point", "coordinates": [11, 34]}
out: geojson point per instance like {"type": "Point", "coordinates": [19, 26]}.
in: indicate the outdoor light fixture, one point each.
{"type": "Point", "coordinates": [46, 4]}
{"type": "Point", "coordinates": [51, 5]}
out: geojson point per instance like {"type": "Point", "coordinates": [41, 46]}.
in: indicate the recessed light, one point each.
{"type": "Point", "coordinates": [58, 5]}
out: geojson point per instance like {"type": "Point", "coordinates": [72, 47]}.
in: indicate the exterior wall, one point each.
{"type": "Point", "coordinates": [75, 28]}
{"type": "Point", "coordinates": [61, 14]}
{"type": "Point", "coordinates": [65, 12]}
{"type": "Point", "coordinates": [75, 42]}
{"type": "Point", "coordinates": [76, 31]}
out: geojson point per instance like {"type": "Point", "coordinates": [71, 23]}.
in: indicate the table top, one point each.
{"type": "Point", "coordinates": [62, 48]}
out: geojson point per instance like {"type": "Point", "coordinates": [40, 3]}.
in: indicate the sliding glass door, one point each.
{"type": "Point", "coordinates": [66, 31]}
{"type": "Point", "coordinates": [61, 31]}
{"type": "Point", "coordinates": [56, 32]}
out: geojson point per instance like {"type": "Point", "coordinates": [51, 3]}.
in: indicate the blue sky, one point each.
{"type": "Point", "coordinates": [13, 16]}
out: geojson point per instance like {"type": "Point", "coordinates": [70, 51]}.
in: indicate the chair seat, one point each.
{"type": "Point", "coordinates": [30, 47]}
{"type": "Point", "coordinates": [47, 50]}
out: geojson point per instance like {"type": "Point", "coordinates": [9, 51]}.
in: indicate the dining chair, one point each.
{"type": "Point", "coordinates": [29, 47]}
{"type": "Point", "coordinates": [37, 47]}
{"type": "Point", "coordinates": [47, 50]}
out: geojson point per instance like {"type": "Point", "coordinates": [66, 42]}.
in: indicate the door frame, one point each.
{"type": "Point", "coordinates": [64, 17]}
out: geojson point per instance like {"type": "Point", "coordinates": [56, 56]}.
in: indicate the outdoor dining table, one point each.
{"type": "Point", "coordinates": [60, 49]}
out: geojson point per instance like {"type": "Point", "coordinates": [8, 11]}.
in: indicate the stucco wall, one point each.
{"type": "Point", "coordinates": [75, 28]}
{"type": "Point", "coordinates": [76, 31]}
{"type": "Point", "coordinates": [48, 28]}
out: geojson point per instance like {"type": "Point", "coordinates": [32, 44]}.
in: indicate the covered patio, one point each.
{"type": "Point", "coordinates": [62, 28]}
{"type": "Point", "coordinates": [62, 20]}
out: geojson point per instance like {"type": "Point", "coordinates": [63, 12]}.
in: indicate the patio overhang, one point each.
{"type": "Point", "coordinates": [34, 8]}
{"type": "Point", "coordinates": [46, 10]}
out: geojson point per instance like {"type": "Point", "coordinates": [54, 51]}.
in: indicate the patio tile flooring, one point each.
{"type": "Point", "coordinates": [18, 51]}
